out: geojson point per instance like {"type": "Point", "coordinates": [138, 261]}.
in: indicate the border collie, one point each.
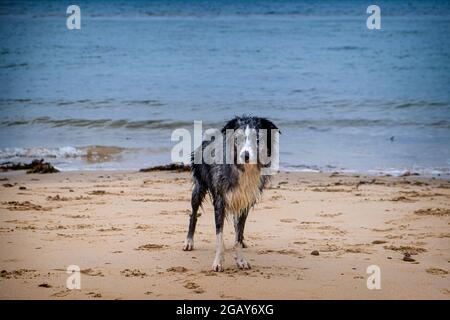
{"type": "Point", "coordinates": [234, 187]}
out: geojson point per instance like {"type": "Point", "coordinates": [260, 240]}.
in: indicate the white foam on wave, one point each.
{"type": "Point", "coordinates": [422, 171]}
{"type": "Point", "coordinates": [69, 158]}
{"type": "Point", "coordinates": [8, 154]}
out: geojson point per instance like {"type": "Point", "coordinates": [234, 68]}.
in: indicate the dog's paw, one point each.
{"type": "Point", "coordinates": [217, 267]}
{"type": "Point", "coordinates": [243, 264]}
{"type": "Point", "coordinates": [188, 245]}
{"type": "Point", "coordinates": [218, 264]}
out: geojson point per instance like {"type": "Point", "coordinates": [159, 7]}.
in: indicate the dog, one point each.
{"type": "Point", "coordinates": [234, 187]}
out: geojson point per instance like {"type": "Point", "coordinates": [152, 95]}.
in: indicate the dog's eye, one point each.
{"type": "Point", "coordinates": [239, 139]}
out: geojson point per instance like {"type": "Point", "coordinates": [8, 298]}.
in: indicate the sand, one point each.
{"type": "Point", "coordinates": [125, 230]}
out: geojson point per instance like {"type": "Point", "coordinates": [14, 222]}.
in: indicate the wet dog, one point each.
{"type": "Point", "coordinates": [234, 186]}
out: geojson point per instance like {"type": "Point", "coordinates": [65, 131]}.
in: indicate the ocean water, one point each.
{"type": "Point", "coordinates": [108, 96]}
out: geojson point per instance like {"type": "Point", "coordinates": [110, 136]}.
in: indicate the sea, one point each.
{"type": "Point", "coordinates": [108, 96]}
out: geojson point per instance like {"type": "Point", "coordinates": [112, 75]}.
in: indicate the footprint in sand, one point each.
{"type": "Point", "coordinates": [281, 251]}
{"type": "Point", "coordinates": [406, 249]}
{"type": "Point", "coordinates": [97, 193]}
{"type": "Point", "coordinates": [436, 271]}
{"type": "Point", "coordinates": [437, 212]}
{"type": "Point", "coordinates": [58, 198]}
{"type": "Point", "coordinates": [61, 294]}
{"type": "Point", "coordinates": [194, 287]}
{"type": "Point", "coordinates": [133, 273]}
{"type": "Point", "coordinates": [151, 246]}
{"type": "Point", "coordinates": [143, 227]}
{"type": "Point", "coordinates": [77, 216]}
{"type": "Point", "coordinates": [177, 269]}
{"type": "Point", "coordinates": [358, 248]}
{"type": "Point", "coordinates": [94, 294]}
{"type": "Point", "coordinates": [330, 215]}
{"type": "Point", "coordinates": [402, 199]}
{"type": "Point", "coordinates": [91, 272]}
{"type": "Point", "coordinates": [109, 229]}
{"type": "Point", "coordinates": [24, 206]}
{"type": "Point", "coordinates": [16, 274]}
{"type": "Point", "coordinates": [288, 220]}
{"type": "Point", "coordinates": [446, 291]}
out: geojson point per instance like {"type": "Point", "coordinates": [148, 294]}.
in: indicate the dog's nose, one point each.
{"type": "Point", "coordinates": [246, 156]}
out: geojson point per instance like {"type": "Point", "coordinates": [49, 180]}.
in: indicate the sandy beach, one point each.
{"type": "Point", "coordinates": [125, 231]}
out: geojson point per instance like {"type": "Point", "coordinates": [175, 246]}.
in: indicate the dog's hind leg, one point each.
{"type": "Point", "coordinates": [239, 224]}
{"type": "Point", "coordinates": [219, 214]}
{"type": "Point", "coordinates": [198, 194]}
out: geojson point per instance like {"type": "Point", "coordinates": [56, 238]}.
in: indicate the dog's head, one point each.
{"type": "Point", "coordinates": [252, 138]}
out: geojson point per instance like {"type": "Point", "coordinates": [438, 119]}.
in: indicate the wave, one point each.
{"type": "Point", "coordinates": [396, 172]}
{"type": "Point", "coordinates": [80, 102]}
{"type": "Point", "coordinates": [88, 154]}
{"type": "Point", "coordinates": [168, 124]}
{"type": "Point", "coordinates": [345, 12]}
{"type": "Point", "coordinates": [346, 48]}
{"type": "Point", "coordinates": [14, 65]}
{"type": "Point", "coordinates": [329, 123]}
{"type": "Point", "coordinates": [420, 104]}
{"type": "Point", "coordinates": [37, 152]}
{"type": "Point", "coordinates": [98, 157]}
{"type": "Point", "coordinates": [99, 123]}
{"type": "Point", "coordinates": [375, 104]}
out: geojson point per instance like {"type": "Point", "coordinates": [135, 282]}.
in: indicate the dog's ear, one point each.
{"type": "Point", "coordinates": [268, 125]}
{"type": "Point", "coordinates": [232, 124]}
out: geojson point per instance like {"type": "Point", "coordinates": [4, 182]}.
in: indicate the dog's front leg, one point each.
{"type": "Point", "coordinates": [239, 223]}
{"type": "Point", "coordinates": [219, 213]}
{"type": "Point", "coordinates": [240, 260]}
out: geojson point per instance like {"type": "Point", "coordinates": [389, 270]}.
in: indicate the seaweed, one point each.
{"type": "Point", "coordinates": [178, 167]}
{"type": "Point", "coordinates": [36, 166]}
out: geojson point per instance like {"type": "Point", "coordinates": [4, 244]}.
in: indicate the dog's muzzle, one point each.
{"type": "Point", "coordinates": [246, 157]}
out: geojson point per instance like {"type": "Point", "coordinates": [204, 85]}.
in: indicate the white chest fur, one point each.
{"type": "Point", "coordinates": [246, 193]}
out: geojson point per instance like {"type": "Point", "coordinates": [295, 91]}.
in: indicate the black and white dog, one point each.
{"type": "Point", "coordinates": [234, 187]}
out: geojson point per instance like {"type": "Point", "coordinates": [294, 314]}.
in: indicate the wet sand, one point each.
{"type": "Point", "coordinates": [125, 230]}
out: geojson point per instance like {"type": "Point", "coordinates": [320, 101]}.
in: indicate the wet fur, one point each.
{"type": "Point", "coordinates": [234, 190]}
{"type": "Point", "coordinates": [246, 192]}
